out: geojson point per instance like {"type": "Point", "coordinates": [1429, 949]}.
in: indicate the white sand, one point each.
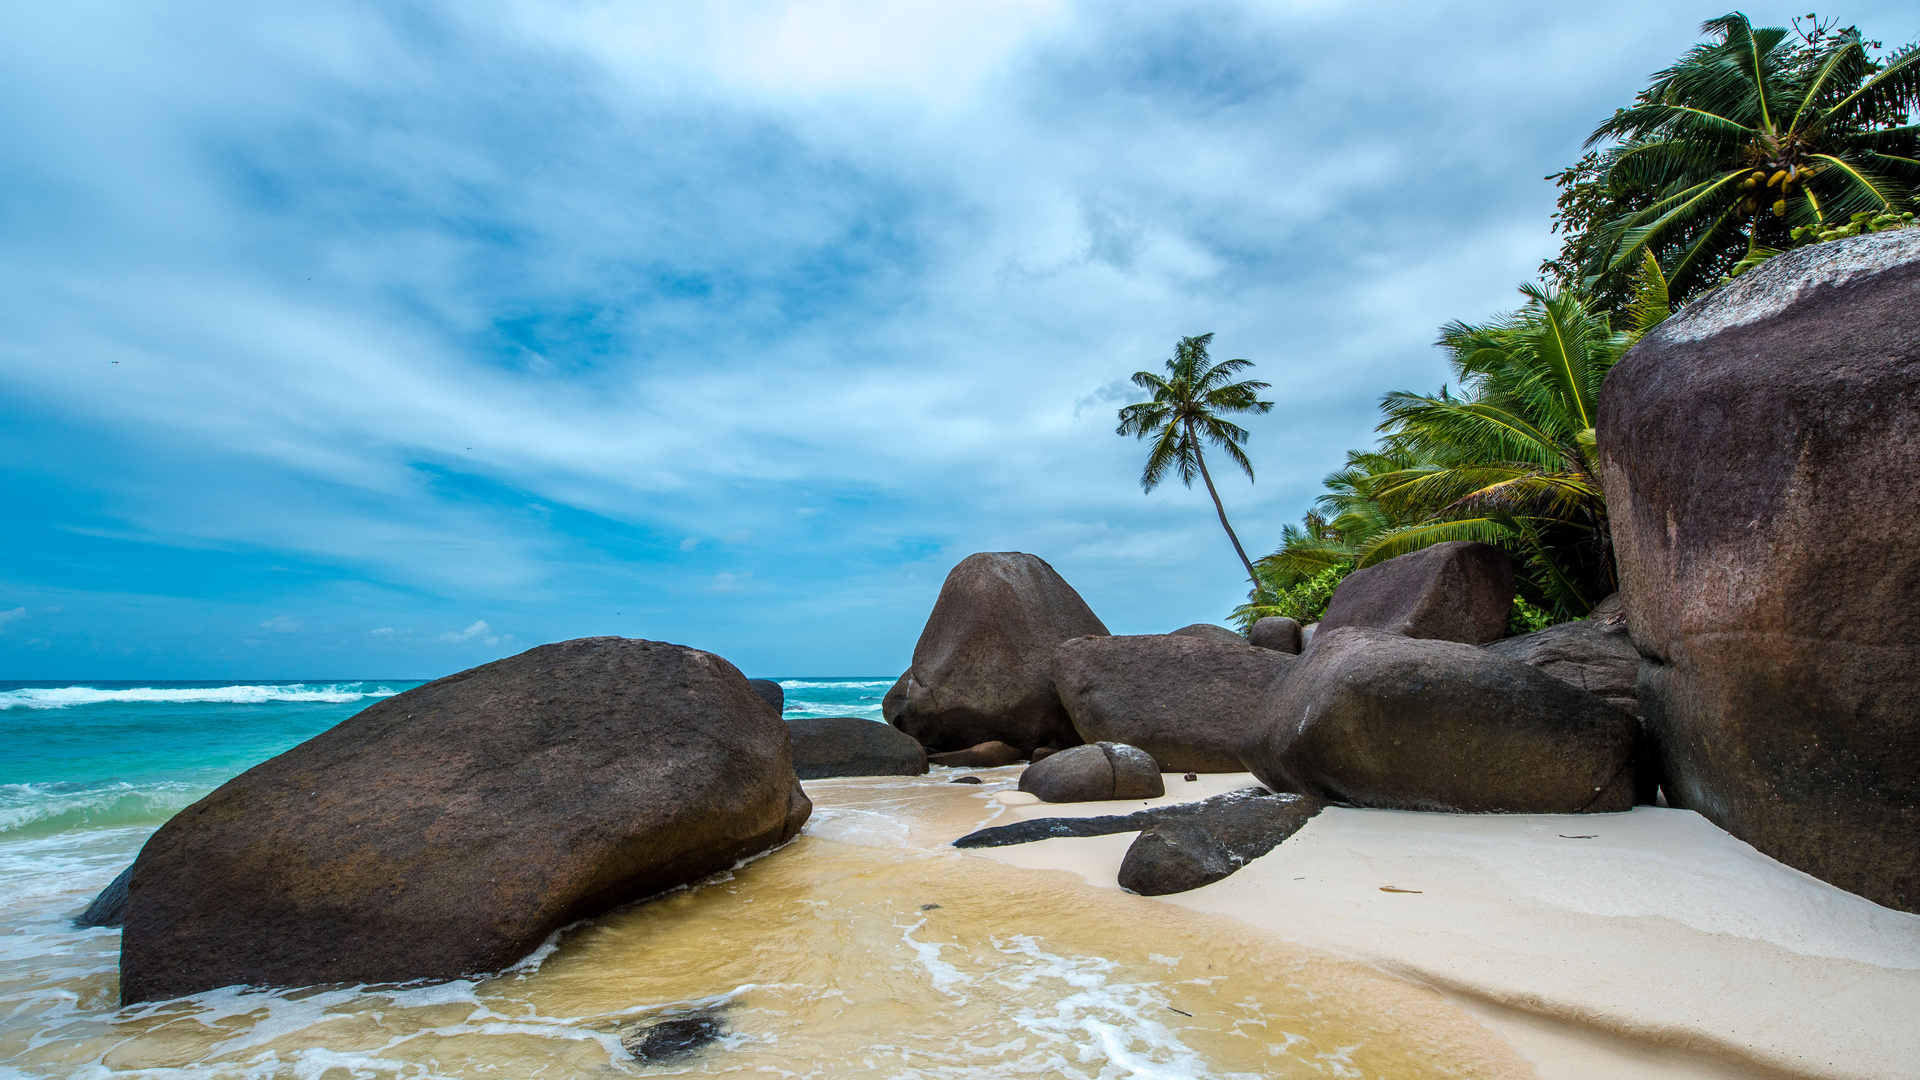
{"type": "Point", "coordinates": [1661, 947]}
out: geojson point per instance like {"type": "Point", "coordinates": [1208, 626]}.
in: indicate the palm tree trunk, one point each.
{"type": "Point", "coordinates": [1201, 459]}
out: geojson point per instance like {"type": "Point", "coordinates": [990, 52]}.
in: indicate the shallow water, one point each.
{"type": "Point", "coordinates": [864, 948]}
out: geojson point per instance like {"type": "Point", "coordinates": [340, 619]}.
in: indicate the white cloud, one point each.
{"type": "Point", "coordinates": [689, 543]}
{"type": "Point", "coordinates": [729, 583]}
{"type": "Point", "coordinates": [477, 630]}
{"type": "Point", "coordinates": [10, 616]}
{"type": "Point", "coordinates": [282, 624]}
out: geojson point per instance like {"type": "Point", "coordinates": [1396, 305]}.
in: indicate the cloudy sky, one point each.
{"type": "Point", "coordinates": [383, 339]}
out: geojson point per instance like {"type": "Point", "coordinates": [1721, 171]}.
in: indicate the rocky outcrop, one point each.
{"type": "Point", "coordinates": [1210, 632]}
{"type": "Point", "coordinates": [1456, 591]}
{"type": "Point", "coordinates": [1595, 654]}
{"type": "Point", "coordinates": [1276, 632]}
{"type": "Point", "coordinates": [1094, 773]}
{"type": "Point", "coordinates": [452, 828]}
{"type": "Point", "coordinates": [1184, 852]}
{"type": "Point", "coordinates": [983, 668]}
{"type": "Point", "coordinates": [1759, 451]}
{"type": "Point", "coordinates": [769, 692]}
{"type": "Point", "coordinates": [1180, 847]}
{"type": "Point", "coordinates": [825, 746]}
{"type": "Point", "coordinates": [1184, 700]}
{"type": "Point", "coordinates": [986, 755]}
{"type": "Point", "coordinates": [1371, 718]}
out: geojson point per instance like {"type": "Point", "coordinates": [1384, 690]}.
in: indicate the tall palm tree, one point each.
{"type": "Point", "coordinates": [1749, 137]}
{"type": "Point", "coordinates": [1186, 412]}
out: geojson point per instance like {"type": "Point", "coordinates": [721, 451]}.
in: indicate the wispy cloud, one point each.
{"type": "Point", "coordinates": [388, 315]}
{"type": "Point", "coordinates": [11, 616]}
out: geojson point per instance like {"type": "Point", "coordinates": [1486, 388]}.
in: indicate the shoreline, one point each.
{"type": "Point", "coordinates": [1647, 943]}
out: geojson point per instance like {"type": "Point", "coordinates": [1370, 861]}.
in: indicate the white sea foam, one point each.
{"type": "Point", "coordinates": [66, 697]}
{"type": "Point", "coordinates": [47, 809]}
{"type": "Point", "coordinates": [816, 684]}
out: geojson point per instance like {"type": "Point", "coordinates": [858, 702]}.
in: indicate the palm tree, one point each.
{"type": "Point", "coordinates": [1747, 138]}
{"type": "Point", "coordinates": [1508, 461]}
{"type": "Point", "coordinates": [1186, 412]}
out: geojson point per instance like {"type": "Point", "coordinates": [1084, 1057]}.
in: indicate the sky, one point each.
{"type": "Point", "coordinates": [381, 340]}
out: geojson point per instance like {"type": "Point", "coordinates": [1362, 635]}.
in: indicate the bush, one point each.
{"type": "Point", "coordinates": [1303, 602]}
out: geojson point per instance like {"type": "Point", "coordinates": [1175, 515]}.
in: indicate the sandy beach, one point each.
{"type": "Point", "coordinates": [1642, 944]}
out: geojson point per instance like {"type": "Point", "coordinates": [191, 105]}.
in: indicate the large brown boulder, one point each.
{"type": "Point", "coordinates": [983, 668]}
{"type": "Point", "coordinates": [826, 746]}
{"type": "Point", "coordinates": [1595, 654]}
{"type": "Point", "coordinates": [1375, 719]}
{"type": "Point", "coordinates": [450, 829]}
{"type": "Point", "coordinates": [1456, 591]}
{"type": "Point", "coordinates": [1760, 451]}
{"type": "Point", "coordinates": [1184, 700]}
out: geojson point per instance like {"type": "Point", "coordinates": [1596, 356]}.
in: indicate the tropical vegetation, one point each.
{"type": "Point", "coordinates": [1739, 145]}
{"type": "Point", "coordinates": [1761, 140]}
{"type": "Point", "coordinates": [1187, 411]}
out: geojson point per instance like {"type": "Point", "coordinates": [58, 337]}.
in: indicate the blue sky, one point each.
{"type": "Point", "coordinates": [384, 339]}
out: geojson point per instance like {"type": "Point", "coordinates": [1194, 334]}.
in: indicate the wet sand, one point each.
{"type": "Point", "coordinates": [1645, 944]}
{"type": "Point", "coordinates": [866, 948]}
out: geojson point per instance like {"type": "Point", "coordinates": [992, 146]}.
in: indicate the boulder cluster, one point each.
{"type": "Point", "coordinates": [1397, 700]}
{"type": "Point", "coordinates": [1760, 664]}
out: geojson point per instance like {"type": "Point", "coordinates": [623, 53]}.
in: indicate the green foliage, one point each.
{"type": "Point", "coordinates": [1727, 152]}
{"type": "Point", "coordinates": [1526, 618]}
{"type": "Point", "coordinates": [1509, 460]}
{"type": "Point", "coordinates": [1304, 601]}
{"type": "Point", "coordinates": [1187, 411]}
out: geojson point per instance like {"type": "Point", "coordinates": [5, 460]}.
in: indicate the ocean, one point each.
{"type": "Point", "coordinates": [865, 948]}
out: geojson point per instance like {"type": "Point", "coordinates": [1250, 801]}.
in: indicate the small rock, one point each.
{"type": "Point", "coordinates": [1093, 773]}
{"type": "Point", "coordinates": [986, 755]}
{"type": "Point", "coordinates": [1178, 854]}
{"type": "Point", "coordinates": [1210, 632]}
{"type": "Point", "coordinates": [965, 780]}
{"type": "Point", "coordinates": [1190, 778]}
{"type": "Point", "coordinates": [770, 692]}
{"type": "Point", "coordinates": [1276, 632]}
{"type": "Point", "coordinates": [1043, 751]}
{"type": "Point", "coordinates": [670, 1039]}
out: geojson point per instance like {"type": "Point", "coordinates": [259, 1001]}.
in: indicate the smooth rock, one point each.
{"type": "Point", "coordinates": [1306, 635]}
{"type": "Point", "coordinates": [1456, 591]}
{"type": "Point", "coordinates": [1759, 451]}
{"type": "Point", "coordinates": [1093, 773]}
{"type": "Point", "coordinates": [1186, 701]}
{"type": "Point", "coordinates": [449, 830]}
{"type": "Point", "coordinates": [825, 746]}
{"type": "Point", "coordinates": [987, 755]}
{"type": "Point", "coordinates": [110, 907]}
{"type": "Point", "coordinates": [983, 667]}
{"type": "Point", "coordinates": [1210, 632]}
{"type": "Point", "coordinates": [1180, 847]}
{"type": "Point", "coordinates": [1186, 852]}
{"type": "Point", "coordinates": [1276, 632]}
{"type": "Point", "coordinates": [770, 692]}
{"type": "Point", "coordinates": [1372, 718]}
{"type": "Point", "coordinates": [1595, 654]}
{"type": "Point", "coordinates": [966, 780]}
